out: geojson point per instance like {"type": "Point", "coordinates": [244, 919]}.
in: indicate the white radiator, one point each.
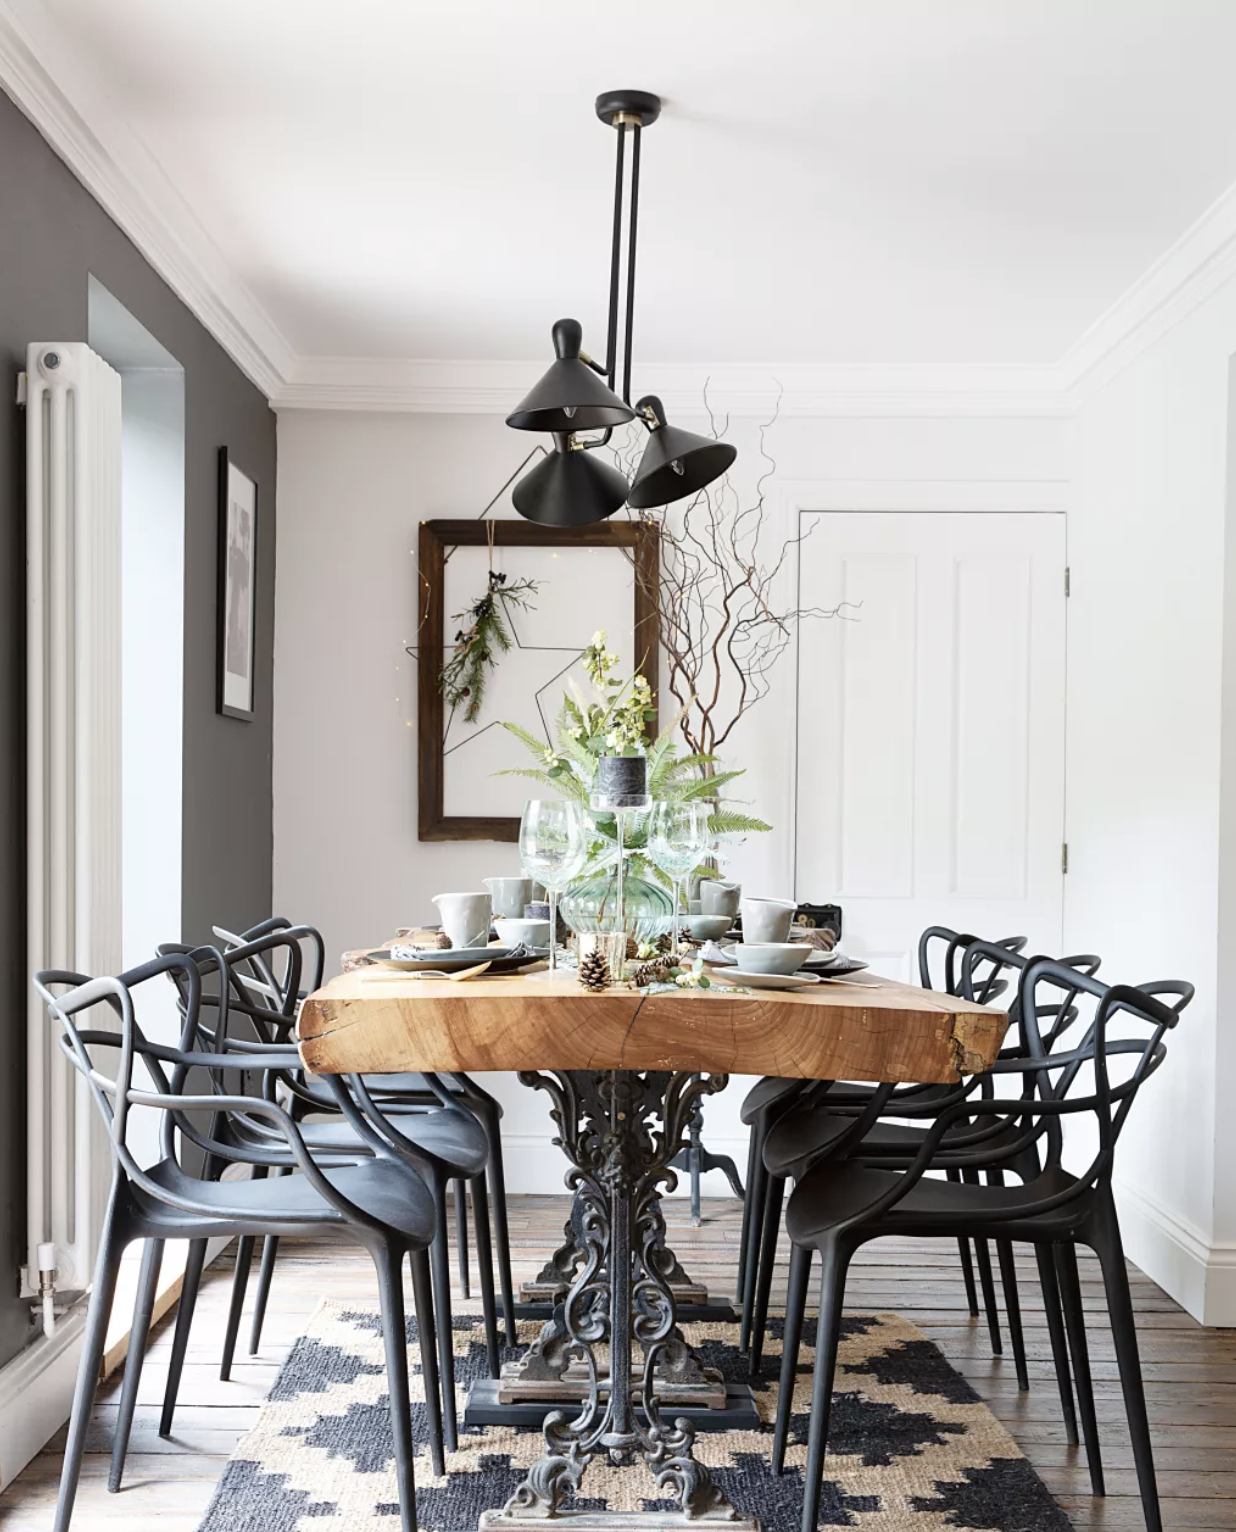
{"type": "Point", "coordinates": [74, 773]}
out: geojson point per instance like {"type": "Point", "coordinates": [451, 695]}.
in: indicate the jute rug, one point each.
{"type": "Point", "coordinates": [911, 1444]}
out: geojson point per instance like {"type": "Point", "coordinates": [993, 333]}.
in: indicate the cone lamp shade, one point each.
{"type": "Point", "coordinates": [571, 487]}
{"type": "Point", "coordinates": [676, 463]}
{"type": "Point", "coordinates": [570, 396]}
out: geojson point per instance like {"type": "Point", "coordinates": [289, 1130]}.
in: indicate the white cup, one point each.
{"type": "Point", "coordinates": [717, 898]}
{"type": "Point", "coordinates": [510, 895]}
{"type": "Point", "coordinates": [767, 920]}
{"type": "Point", "coordinates": [466, 918]}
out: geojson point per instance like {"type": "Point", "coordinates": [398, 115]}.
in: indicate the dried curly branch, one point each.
{"type": "Point", "coordinates": [722, 629]}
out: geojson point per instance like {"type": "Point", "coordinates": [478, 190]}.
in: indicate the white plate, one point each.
{"type": "Point", "coordinates": [733, 978]}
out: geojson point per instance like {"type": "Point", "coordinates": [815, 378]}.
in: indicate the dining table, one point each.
{"type": "Point", "coordinates": [624, 1071]}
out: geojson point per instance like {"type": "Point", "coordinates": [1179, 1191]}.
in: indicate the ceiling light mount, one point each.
{"type": "Point", "coordinates": [628, 108]}
{"type": "Point", "coordinates": [579, 394]}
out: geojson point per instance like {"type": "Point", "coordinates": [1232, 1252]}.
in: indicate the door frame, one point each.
{"type": "Point", "coordinates": [980, 497]}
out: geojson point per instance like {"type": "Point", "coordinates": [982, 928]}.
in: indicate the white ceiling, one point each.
{"type": "Point", "coordinates": [831, 181]}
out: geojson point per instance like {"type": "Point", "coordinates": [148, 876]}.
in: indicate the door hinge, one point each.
{"type": "Point", "coordinates": [1064, 857]}
{"type": "Point", "coordinates": [1068, 581]}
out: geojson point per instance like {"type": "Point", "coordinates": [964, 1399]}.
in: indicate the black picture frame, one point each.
{"type": "Point", "coordinates": [236, 606]}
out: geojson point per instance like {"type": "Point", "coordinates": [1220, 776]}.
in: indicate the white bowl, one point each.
{"type": "Point", "coordinates": [533, 933]}
{"type": "Point", "coordinates": [707, 928]}
{"type": "Point", "coordinates": [770, 957]}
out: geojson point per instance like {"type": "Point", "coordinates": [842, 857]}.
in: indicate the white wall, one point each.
{"type": "Point", "coordinates": [1152, 698]}
{"type": "Point", "coordinates": [352, 489]}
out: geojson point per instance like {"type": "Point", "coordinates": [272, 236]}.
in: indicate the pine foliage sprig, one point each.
{"type": "Point", "coordinates": [477, 646]}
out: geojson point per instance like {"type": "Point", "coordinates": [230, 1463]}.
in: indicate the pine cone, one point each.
{"type": "Point", "coordinates": [654, 971]}
{"type": "Point", "coordinates": [594, 970]}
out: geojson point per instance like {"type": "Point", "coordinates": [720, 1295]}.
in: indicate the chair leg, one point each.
{"type": "Point", "coordinates": [1105, 1238]}
{"type": "Point", "coordinates": [189, 1285]}
{"type": "Point", "coordinates": [107, 1268]}
{"type": "Point", "coordinates": [834, 1258]}
{"type": "Point", "coordinates": [1075, 1324]}
{"type": "Point", "coordinates": [502, 1233]}
{"type": "Point", "coordinates": [147, 1287]}
{"type": "Point", "coordinates": [440, 1260]}
{"type": "Point", "coordinates": [768, 1262]}
{"type": "Point", "coordinates": [1059, 1345]}
{"type": "Point", "coordinates": [389, 1264]}
{"type": "Point", "coordinates": [967, 1265]}
{"type": "Point", "coordinates": [1012, 1308]}
{"type": "Point", "coordinates": [266, 1275]}
{"type": "Point", "coordinates": [982, 1256]}
{"type": "Point", "coordinates": [795, 1305]}
{"type": "Point", "coordinates": [485, 1260]}
{"type": "Point", "coordinates": [757, 1194]}
{"type": "Point", "coordinates": [422, 1297]}
{"type": "Point", "coordinates": [240, 1280]}
{"type": "Point", "coordinates": [744, 1236]}
{"type": "Point", "coordinates": [461, 1239]}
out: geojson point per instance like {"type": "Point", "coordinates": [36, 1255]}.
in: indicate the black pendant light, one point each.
{"type": "Point", "coordinates": [570, 488]}
{"type": "Point", "coordinates": [570, 397]}
{"type": "Point", "coordinates": [676, 463]}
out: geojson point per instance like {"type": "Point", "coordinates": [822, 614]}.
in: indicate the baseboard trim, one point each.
{"type": "Point", "coordinates": [1175, 1253]}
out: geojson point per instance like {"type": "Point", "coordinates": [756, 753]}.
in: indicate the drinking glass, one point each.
{"type": "Point", "coordinates": [553, 848]}
{"type": "Point", "coordinates": [677, 839]}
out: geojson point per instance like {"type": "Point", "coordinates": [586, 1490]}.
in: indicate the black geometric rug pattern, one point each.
{"type": "Point", "coordinates": [911, 1445]}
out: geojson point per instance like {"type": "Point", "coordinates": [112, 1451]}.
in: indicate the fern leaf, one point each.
{"type": "Point", "coordinates": [704, 787]}
{"type": "Point", "coordinates": [537, 746]}
{"type": "Point", "coordinates": [728, 822]}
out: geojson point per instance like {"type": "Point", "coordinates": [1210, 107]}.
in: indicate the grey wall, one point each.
{"type": "Point", "coordinates": [52, 236]}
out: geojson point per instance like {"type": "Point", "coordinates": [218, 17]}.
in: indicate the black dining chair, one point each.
{"type": "Point", "coordinates": [398, 1091]}
{"type": "Point", "coordinates": [842, 1204]}
{"type": "Point", "coordinates": [788, 1107]}
{"type": "Point", "coordinates": [443, 1144]}
{"type": "Point", "coordinates": [807, 1136]}
{"type": "Point", "coordinates": [379, 1203]}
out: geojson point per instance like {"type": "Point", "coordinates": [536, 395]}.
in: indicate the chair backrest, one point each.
{"type": "Point", "coordinates": [984, 976]}
{"type": "Point", "coordinates": [980, 960]}
{"type": "Point", "coordinates": [68, 995]}
{"type": "Point", "coordinates": [1080, 1080]}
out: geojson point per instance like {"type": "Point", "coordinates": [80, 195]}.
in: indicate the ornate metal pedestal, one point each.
{"type": "Point", "coordinates": [619, 1295]}
{"type": "Point", "coordinates": [697, 1160]}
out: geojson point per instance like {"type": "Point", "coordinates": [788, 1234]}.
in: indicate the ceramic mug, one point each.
{"type": "Point", "coordinates": [717, 898]}
{"type": "Point", "coordinates": [510, 895]}
{"type": "Point", "coordinates": [767, 920]}
{"type": "Point", "coordinates": [466, 918]}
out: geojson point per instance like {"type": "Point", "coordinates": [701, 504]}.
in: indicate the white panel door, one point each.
{"type": "Point", "coordinates": [931, 727]}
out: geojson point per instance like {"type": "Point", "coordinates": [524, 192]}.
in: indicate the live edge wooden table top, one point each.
{"type": "Point", "coordinates": [879, 1031]}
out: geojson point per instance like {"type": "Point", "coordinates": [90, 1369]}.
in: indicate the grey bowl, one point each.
{"type": "Point", "coordinates": [706, 928]}
{"type": "Point", "coordinates": [770, 957]}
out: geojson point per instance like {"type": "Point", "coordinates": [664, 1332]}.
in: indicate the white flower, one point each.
{"type": "Point", "coordinates": [599, 639]}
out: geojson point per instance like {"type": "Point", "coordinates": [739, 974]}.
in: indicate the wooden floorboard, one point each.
{"type": "Point", "coordinates": [1190, 1380]}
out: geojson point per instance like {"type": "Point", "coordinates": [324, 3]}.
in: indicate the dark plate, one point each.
{"type": "Point", "coordinates": [500, 959]}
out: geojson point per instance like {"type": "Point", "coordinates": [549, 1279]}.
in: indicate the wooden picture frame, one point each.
{"type": "Point", "coordinates": [236, 601]}
{"type": "Point", "coordinates": [637, 539]}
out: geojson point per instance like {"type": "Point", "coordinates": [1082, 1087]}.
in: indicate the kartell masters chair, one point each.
{"type": "Point", "coordinates": [842, 1204]}
{"type": "Point", "coordinates": [380, 1202]}
{"type": "Point", "coordinates": [443, 1143]}
{"type": "Point", "coordinates": [396, 1092]}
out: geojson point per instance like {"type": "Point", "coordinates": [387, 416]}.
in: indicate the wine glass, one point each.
{"type": "Point", "coordinates": [677, 838]}
{"type": "Point", "coordinates": [553, 848]}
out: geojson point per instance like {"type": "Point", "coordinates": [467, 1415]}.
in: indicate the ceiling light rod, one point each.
{"type": "Point", "coordinates": [570, 487]}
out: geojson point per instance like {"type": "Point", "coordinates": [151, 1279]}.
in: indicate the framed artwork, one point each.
{"type": "Point", "coordinates": [237, 589]}
{"type": "Point", "coordinates": [603, 576]}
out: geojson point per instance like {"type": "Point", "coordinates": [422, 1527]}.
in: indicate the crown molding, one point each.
{"type": "Point", "coordinates": [1184, 276]}
{"type": "Point", "coordinates": [493, 388]}
{"type": "Point", "coordinates": [86, 131]}
{"type": "Point", "coordinates": [56, 90]}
